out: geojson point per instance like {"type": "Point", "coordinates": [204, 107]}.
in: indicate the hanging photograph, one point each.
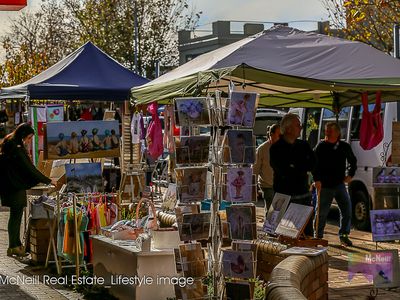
{"type": "Point", "coordinates": [191, 184]}
{"type": "Point", "coordinates": [84, 178]}
{"type": "Point", "coordinates": [294, 220]}
{"type": "Point", "coordinates": [82, 139]}
{"type": "Point", "coordinates": [385, 225]}
{"type": "Point", "coordinates": [242, 222]}
{"type": "Point", "coordinates": [275, 212]}
{"type": "Point", "coordinates": [182, 209]}
{"type": "Point", "coordinates": [54, 113]}
{"type": "Point", "coordinates": [238, 264]}
{"type": "Point", "coordinates": [192, 111]}
{"type": "Point", "coordinates": [192, 260]}
{"type": "Point", "coordinates": [239, 245]}
{"type": "Point", "coordinates": [239, 184]}
{"type": "Point", "coordinates": [195, 291]}
{"type": "Point", "coordinates": [242, 108]}
{"type": "Point", "coordinates": [195, 227]}
{"type": "Point", "coordinates": [386, 177]}
{"type": "Point", "coordinates": [192, 150]}
{"type": "Point", "coordinates": [385, 268]}
{"type": "Point", "coordinates": [240, 147]}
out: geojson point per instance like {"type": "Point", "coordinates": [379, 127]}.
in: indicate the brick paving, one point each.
{"type": "Point", "coordinates": [339, 285]}
{"type": "Point", "coordinates": [15, 269]}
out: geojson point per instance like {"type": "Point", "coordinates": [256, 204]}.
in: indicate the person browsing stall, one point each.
{"type": "Point", "coordinates": [262, 168]}
{"type": "Point", "coordinates": [334, 159]}
{"type": "Point", "coordinates": [18, 176]}
{"type": "Point", "coordinates": [291, 159]}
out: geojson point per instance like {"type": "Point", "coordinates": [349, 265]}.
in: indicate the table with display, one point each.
{"type": "Point", "coordinates": [131, 273]}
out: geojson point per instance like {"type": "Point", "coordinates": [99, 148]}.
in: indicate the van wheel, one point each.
{"type": "Point", "coordinates": [360, 218]}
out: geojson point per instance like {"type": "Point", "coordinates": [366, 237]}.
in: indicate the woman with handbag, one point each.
{"type": "Point", "coordinates": [18, 175]}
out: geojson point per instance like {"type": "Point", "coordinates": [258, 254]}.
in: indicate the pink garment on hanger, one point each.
{"type": "Point", "coordinates": [371, 130]}
{"type": "Point", "coordinates": [154, 135]}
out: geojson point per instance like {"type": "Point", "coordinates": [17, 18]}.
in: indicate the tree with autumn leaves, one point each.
{"type": "Point", "coordinates": [39, 39]}
{"type": "Point", "coordinates": [368, 21]}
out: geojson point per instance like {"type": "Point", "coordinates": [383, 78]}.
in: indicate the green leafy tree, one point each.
{"type": "Point", "coordinates": [368, 21]}
{"type": "Point", "coordinates": [38, 40]}
{"type": "Point", "coordinates": [110, 24]}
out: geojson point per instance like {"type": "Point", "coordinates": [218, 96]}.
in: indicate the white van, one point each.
{"type": "Point", "coordinates": [363, 195]}
{"type": "Point", "coordinates": [265, 117]}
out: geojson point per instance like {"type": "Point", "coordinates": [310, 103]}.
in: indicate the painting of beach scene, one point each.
{"type": "Point", "coordinates": [84, 178]}
{"type": "Point", "coordinates": [82, 139]}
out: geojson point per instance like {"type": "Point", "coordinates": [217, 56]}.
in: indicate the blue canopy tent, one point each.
{"type": "Point", "coordinates": [86, 74]}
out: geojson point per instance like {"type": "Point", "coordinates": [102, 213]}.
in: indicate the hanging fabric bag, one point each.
{"type": "Point", "coordinates": [371, 130]}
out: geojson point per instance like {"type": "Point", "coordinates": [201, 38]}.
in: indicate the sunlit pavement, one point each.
{"type": "Point", "coordinates": [12, 269]}
{"type": "Point", "coordinates": [339, 285]}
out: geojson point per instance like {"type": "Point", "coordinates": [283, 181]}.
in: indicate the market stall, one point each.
{"type": "Point", "coordinates": [75, 132]}
{"type": "Point", "coordinates": [286, 68]}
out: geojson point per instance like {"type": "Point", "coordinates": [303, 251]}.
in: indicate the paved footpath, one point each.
{"type": "Point", "coordinates": [358, 288]}
{"type": "Point", "coordinates": [339, 285]}
{"type": "Point", "coordinates": [12, 269]}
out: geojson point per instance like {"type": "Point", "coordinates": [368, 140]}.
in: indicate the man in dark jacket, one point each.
{"type": "Point", "coordinates": [330, 178]}
{"type": "Point", "coordinates": [291, 159]}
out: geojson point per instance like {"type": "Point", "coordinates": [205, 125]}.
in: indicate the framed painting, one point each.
{"type": "Point", "coordinates": [192, 260]}
{"type": "Point", "coordinates": [385, 224]}
{"type": "Point", "coordinates": [385, 273]}
{"type": "Point", "coordinates": [54, 113]}
{"type": "Point", "coordinates": [238, 264]}
{"type": "Point", "coordinates": [195, 227]}
{"type": "Point", "coordinates": [275, 213]}
{"type": "Point", "coordinates": [239, 182]}
{"type": "Point", "coordinates": [191, 184]}
{"type": "Point", "coordinates": [84, 178]}
{"type": "Point", "coordinates": [294, 220]}
{"type": "Point", "coordinates": [192, 111]}
{"type": "Point", "coordinates": [240, 146]}
{"type": "Point", "coordinates": [242, 109]}
{"type": "Point", "coordinates": [242, 221]}
{"type": "Point", "coordinates": [192, 149]}
{"type": "Point", "coordinates": [82, 139]}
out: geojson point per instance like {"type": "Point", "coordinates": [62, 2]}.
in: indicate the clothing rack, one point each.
{"type": "Point", "coordinates": [53, 222]}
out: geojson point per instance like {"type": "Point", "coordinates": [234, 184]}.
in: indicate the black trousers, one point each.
{"type": "Point", "coordinates": [14, 226]}
{"type": "Point", "coordinates": [16, 201]}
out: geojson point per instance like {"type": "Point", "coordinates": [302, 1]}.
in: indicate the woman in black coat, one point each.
{"type": "Point", "coordinates": [18, 175]}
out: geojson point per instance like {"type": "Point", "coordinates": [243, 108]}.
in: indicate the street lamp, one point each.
{"type": "Point", "coordinates": [136, 36]}
{"type": "Point", "coordinates": [396, 42]}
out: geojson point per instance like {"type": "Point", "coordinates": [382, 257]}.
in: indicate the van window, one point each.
{"type": "Point", "coordinates": [356, 119]}
{"type": "Point", "coordinates": [261, 124]}
{"type": "Point", "coordinates": [310, 125]}
{"type": "Point", "coordinates": [329, 116]}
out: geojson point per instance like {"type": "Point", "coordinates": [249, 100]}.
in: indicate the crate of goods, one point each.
{"type": "Point", "coordinates": [39, 240]}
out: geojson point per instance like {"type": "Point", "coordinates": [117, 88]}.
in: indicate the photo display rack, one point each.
{"type": "Point", "coordinates": [231, 146]}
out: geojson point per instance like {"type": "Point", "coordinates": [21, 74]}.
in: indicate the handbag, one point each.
{"type": "Point", "coordinates": [371, 130]}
